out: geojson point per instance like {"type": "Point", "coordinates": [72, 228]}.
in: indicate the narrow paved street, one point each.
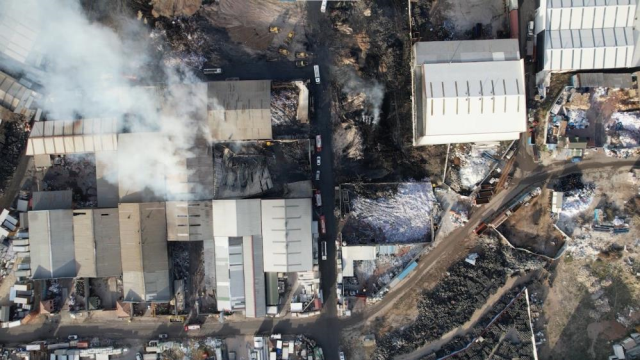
{"type": "Point", "coordinates": [325, 328]}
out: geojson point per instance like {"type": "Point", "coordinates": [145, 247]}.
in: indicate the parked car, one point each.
{"type": "Point", "coordinates": [212, 71]}
{"type": "Point", "coordinates": [191, 327]}
{"type": "Point", "coordinates": [316, 73]}
{"type": "Point", "coordinates": [163, 336]}
{"type": "Point", "coordinates": [318, 143]}
{"type": "Point", "coordinates": [317, 175]}
{"type": "Point", "coordinates": [323, 225]}
{"type": "Point", "coordinates": [324, 250]}
{"type": "Point", "coordinates": [318, 197]}
{"type": "Point", "coordinates": [342, 356]}
{"type": "Point", "coordinates": [72, 337]}
{"type": "Point", "coordinates": [301, 63]}
{"type": "Point", "coordinates": [531, 28]}
{"type": "Point", "coordinates": [139, 356]}
{"type": "Point", "coordinates": [318, 160]}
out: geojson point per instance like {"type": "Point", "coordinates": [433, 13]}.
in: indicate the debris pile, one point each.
{"type": "Point", "coordinates": [389, 213]}
{"type": "Point", "coordinates": [181, 41]}
{"type": "Point", "coordinates": [13, 139]}
{"type": "Point", "coordinates": [76, 172]}
{"type": "Point", "coordinates": [624, 134]}
{"type": "Point", "coordinates": [469, 165]}
{"type": "Point", "coordinates": [453, 301]}
{"type": "Point", "coordinates": [289, 110]}
{"type": "Point", "coordinates": [577, 119]}
{"type": "Point", "coordinates": [509, 316]}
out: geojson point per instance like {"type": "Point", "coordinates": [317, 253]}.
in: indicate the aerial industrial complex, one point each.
{"type": "Point", "coordinates": [275, 180]}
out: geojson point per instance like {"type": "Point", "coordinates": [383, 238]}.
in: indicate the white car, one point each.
{"type": "Point", "coordinates": [316, 73]}
{"type": "Point", "coordinates": [211, 71]}
{"type": "Point", "coordinates": [324, 250]}
{"type": "Point", "coordinates": [318, 175]}
{"type": "Point", "coordinates": [72, 337]}
{"type": "Point", "coordinates": [341, 355]}
{"type": "Point", "coordinates": [318, 160]}
{"type": "Point", "coordinates": [139, 356]}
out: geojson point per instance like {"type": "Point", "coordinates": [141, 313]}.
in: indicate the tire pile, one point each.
{"type": "Point", "coordinates": [453, 301]}
{"type": "Point", "coordinates": [516, 317]}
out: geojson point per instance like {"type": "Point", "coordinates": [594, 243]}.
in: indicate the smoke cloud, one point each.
{"type": "Point", "coordinates": [93, 72]}
{"type": "Point", "coordinates": [373, 91]}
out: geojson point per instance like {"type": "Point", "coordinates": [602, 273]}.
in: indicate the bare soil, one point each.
{"type": "Point", "coordinates": [531, 227]}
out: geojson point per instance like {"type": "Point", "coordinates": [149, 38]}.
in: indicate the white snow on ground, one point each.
{"type": "Point", "coordinates": [473, 166]}
{"type": "Point", "coordinates": [578, 118]}
{"type": "Point", "coordinates": [402, 218]}
{"type": "Point", "coordinates": [626, 126]}
{"type": "Point", "coordinates": [576, 202]}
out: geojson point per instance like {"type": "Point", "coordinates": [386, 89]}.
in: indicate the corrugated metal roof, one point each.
{"type": "Point", "coordinates": [73, 136]}
{"type": "Point", "coordinates": [239, 110]}
{"type": "Point", "coordinates": [254, 290]}
{"type": "Point", "coordinates": [19, 30]}
{"type": "Point", "coordinates": [236, 217]}
{"type": "Point", "coordinates": [52, 246]}
{"type": "Point", "coordinates": [84, 241]}
{"type": "Point", "coordinates": [620, 81]}
{"type": "Point", "coordinates": [286, 233]}
{"type": "Point", "coordinates": [192, 177]}
{"type": "Point", "coordinates": [189, 220]}
{"type": "Point", "coordinates": [97, 242]}
{"type": "Point", "coordinates": [588, 14]}
{"type": "Point", "coordinates": [145, 262]}
{"type": "Point", "coordinates": [462, 104]}
{"type": "Point", "coordinates": [434, 52]}
{"type": "Point", "coordinates": [133, 188]}
{"type": "Point", "coordinates": [52, 200]}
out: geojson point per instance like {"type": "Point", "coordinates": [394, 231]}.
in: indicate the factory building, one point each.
{"type": "Point", "coordinates": [468, 91]}
{"type": "Point", "coordinates": [586, 34]}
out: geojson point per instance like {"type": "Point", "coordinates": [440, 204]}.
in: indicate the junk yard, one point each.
{"type": "Point", "coordinates": [273, 180]}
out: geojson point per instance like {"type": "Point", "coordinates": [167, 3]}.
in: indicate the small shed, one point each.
{"type": "Point", "coordinates": [556, 202]}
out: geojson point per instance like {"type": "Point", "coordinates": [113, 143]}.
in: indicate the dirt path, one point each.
{"type": "Point", "coordinates": [467, 326]}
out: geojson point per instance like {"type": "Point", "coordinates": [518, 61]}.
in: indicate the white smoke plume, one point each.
{"type": "Point", "coordinates": [93, 72]}
{"type": "Point", "coordinates": [372, 90]}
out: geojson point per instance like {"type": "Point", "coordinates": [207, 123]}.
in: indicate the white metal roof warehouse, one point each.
{"type": "Point", "coordinates": [473, 91]}
{"type": "Point", "coordinates": [286, 233]}
{"type": "Point", "coordinates": [586, 34]}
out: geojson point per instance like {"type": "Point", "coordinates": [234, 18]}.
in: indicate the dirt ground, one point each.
{"type": "Point", "coordinates": [531, 227]}
{"type": "Point", "coordinates": [106, 289]}
{"type": "Point", "coordinates": [583, 309]}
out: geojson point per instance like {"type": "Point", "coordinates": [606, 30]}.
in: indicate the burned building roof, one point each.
{"type": "Point", "coordinates": [52, 200]}
{"type": "Point", "coordinates": [51, 244]}
{"type": "Point", "coordinates": [97, 242]}
{"type": "Point", "coordinates": [143, 242]}
{"type": "Point", "coordinates": [239, 110]}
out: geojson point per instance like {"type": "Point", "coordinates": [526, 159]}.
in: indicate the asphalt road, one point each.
{"type": "Point", "coordinates": [325, 328]}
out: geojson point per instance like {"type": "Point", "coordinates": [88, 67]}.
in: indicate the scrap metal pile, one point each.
{"type": "Point", "coordinates": [13, 139]}
{"type": "Point", "coordinates": [454, 300]}
{"type": "Point", "coordinates": [488, 339]}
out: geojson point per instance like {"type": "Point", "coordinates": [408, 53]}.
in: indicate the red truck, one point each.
{"type": "Point", "coordinates": [323, 225]}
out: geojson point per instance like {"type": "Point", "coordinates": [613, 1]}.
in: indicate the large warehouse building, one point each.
{"type": "Point", "coordinates": [586, 34]}
{"type": "Point", "coordinates": [468, 91]}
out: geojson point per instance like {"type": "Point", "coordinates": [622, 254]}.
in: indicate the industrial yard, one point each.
{"type": "Point", "coordinates": [373, 179]}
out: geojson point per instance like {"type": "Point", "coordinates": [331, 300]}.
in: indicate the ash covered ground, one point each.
{"type": "Point", "coordinates": [388, 213]}
{"type": "Point", "coordinates": [266, 169]}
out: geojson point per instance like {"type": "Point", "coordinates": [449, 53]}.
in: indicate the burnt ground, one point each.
{"type": "Point", "coordinates": [243, 166]}
{"type": "Point", "coordinates": [372, 75]}
{"type": "Point", "coordinates": [13, 140]}
{"type": "Point", "coordinates": [77, 173]}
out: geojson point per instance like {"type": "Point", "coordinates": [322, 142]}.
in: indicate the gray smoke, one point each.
{"type": "Point", "coordinates": [93, 72]}
{"type": "Point", "coordinates": [373, 91]}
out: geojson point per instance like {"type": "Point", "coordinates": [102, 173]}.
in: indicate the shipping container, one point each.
{"type": "Point", "coordinates": [21, 248]}
{"type": "Point", "coordinates": [22, 300]}
{"type": "Point", "coordinates": [22, 287]}
{"type": "Point", "coordinates": [21, 242]}
{"type": "Point", "coordinates": [34, 347]}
